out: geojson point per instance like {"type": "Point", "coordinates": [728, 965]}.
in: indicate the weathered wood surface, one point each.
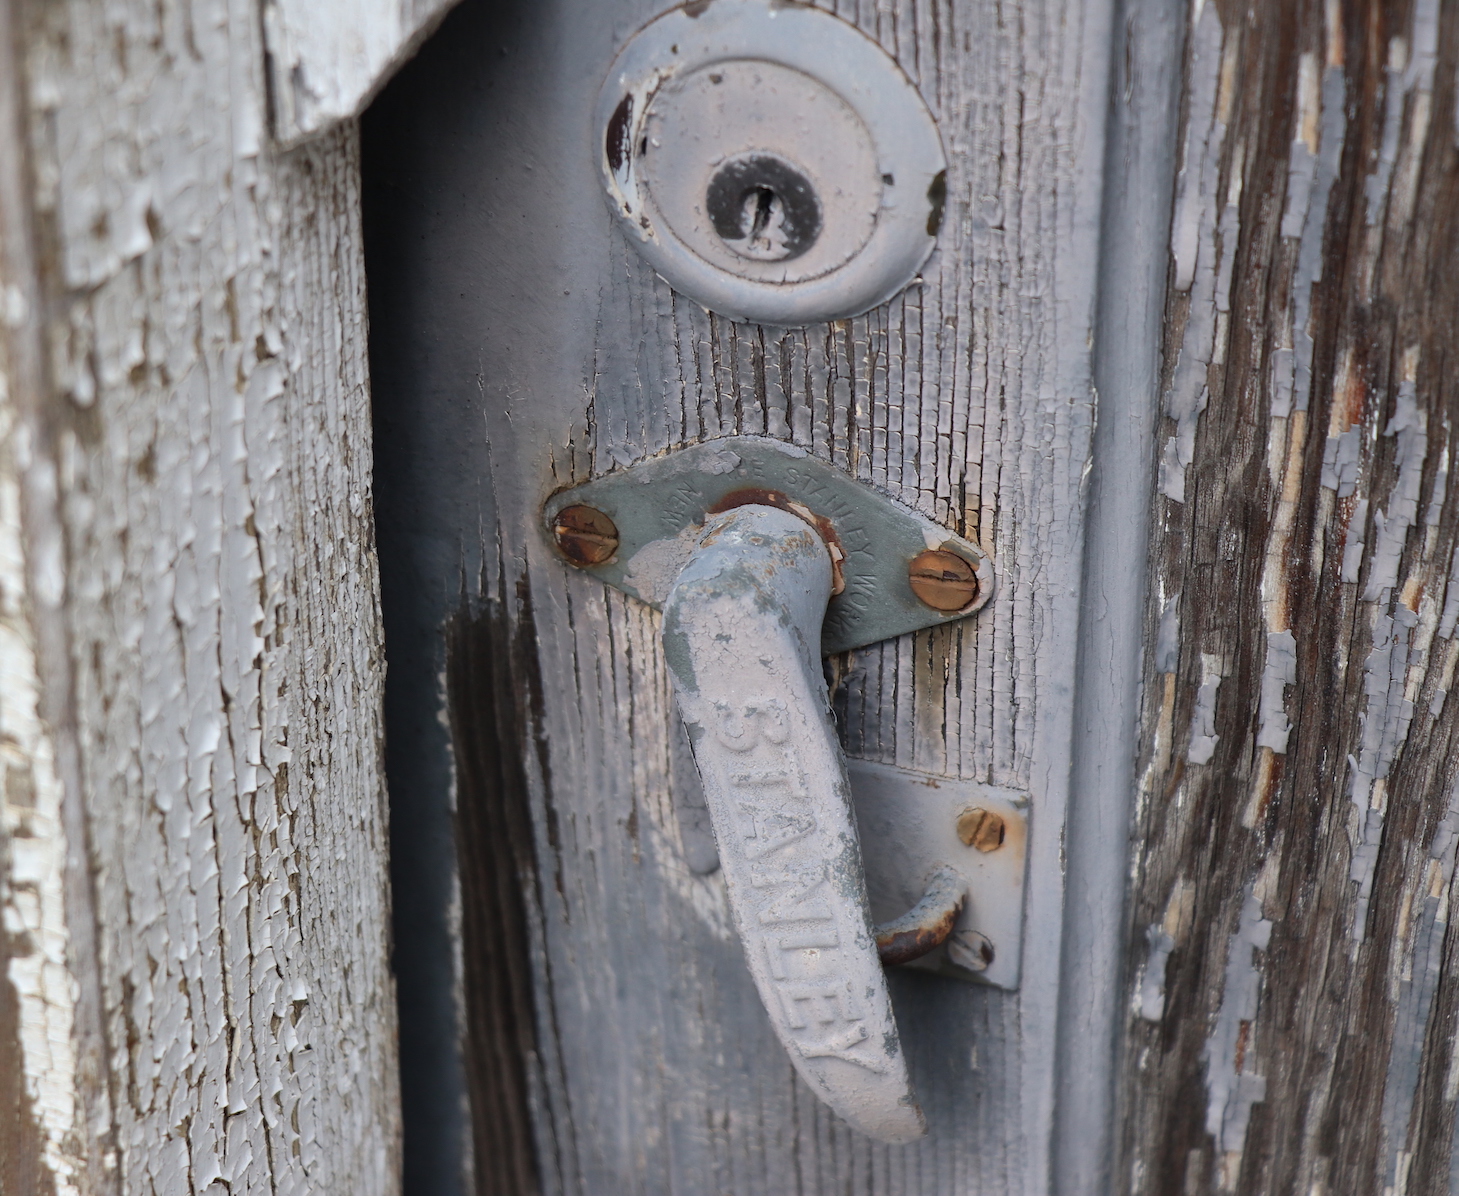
{"type": "Point", "coordinates": [521, 344]}
{"type": "Point", "coordinates": [196, 995]}
{"type": "Point", "coordinates": [327, 57]}
{"type": "Point", "coordinates": [1293, 966]}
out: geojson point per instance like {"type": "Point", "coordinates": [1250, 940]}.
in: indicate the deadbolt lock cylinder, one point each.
{"type": "Point", "coordinates": [770, 160]}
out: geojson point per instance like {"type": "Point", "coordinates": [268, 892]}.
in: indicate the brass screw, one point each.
{"type": "Point", "coordinates": [584, 535]}
{"type": "Point", "coordinates": [943, 580]}
{"type": "Point", "coordinates": [981, 828]}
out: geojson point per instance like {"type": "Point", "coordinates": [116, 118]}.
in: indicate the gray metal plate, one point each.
{"type": "Point", "coordinates": [907, 823]}
{"type": "Point", "coordinates": [659, 506]}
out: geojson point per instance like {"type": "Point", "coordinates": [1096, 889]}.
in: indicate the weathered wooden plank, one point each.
{"type": "Point", "coordinates": [325, 60]}
{"type": "Point", "coordinates": [54, 1007]}
{"type": "Point", "coordinates": [1292, 966]}
{"type": "Point", "coordinates": [193, 809]}
{"type": "Point", "coordinates": [521, 345]}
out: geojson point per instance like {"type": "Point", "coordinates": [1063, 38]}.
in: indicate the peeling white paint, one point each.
{"type": "Point", "coordinates": [1202, 258]}
{"type": "Point", "coordinates": [1232, 1087]}
{"type": "Point", "coordinates": [1163, 936]}
{"type": "Point", "coordinates": [1316, 156]}
{"type": "Point", "coordinates": [33, 851]}
{"type": "Point", "coordinates": [1279, 671]}
{"type": "Point", "coordinates": [1386, 718]}
{"type": "Point", "coordinates": [216, 594]}
{"type": "Point", "coordinates": [1396, 665]}
{"type": "Point", "coordinates": [1441, 480]}
{"type": "Point", "coordinates": [1150, 998]}
{"type": "Point", "coordinates": [1391, 524]}
{"type": "Point", "coordinates": [1167, 640]}
{"type": "Point", "coordinates": [327, 57]}
{"type": "Point", "coordinates": [1451, 598]}
{"type": "Point", "coordinates": [1353, 545]}
{"type": "Point", "coordinates": [1341, 460]}
{"type": "Point", "coordinates": [1302, 162]}
{"type": "Point", "coordinates": [1196, 181]}
{"type": "Point", "coordinates": [1416, 971]}
{"type": "Point", "coordinates": [1409, 73]}
{"type": "Point", "coordinates": [1203, 720]}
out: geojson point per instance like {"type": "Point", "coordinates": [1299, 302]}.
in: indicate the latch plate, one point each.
{"type": "Point", "coordinates": [907, 822]}
{"type": "Point", "coordinates": [658, 506]}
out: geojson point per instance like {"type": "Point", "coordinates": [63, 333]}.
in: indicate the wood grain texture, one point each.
{"type": "Point", "coordinates": [188, 501]}
{"type": "Point", "coordinates": [489, 684]}
{"type": "Point", "coordinates": [1292, 976]}
{"type": "Point", "coordinates": [517, 333]}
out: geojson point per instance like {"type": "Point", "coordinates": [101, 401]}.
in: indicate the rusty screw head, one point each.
{"type": "Point", "coordinates": [943, 580]}
{"type": "Point", "coordinates": [971, 950]}
{"type": "Point", "coordinates": [584, 535]}
{"type": "Point", "coordinates": [981, 828]}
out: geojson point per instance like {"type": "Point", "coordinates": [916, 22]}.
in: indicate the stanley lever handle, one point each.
{"type": "Point", "coordinates": [742, 635]}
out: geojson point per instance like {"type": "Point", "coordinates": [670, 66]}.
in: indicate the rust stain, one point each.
{"type": "Point", "coordinates": [943, 580]}
{"type": "Point", "coordinates": [757, 496]}
{"type": "Point", "coordinates": [927, 925]}
{"type": "Point", "coordinates": [618, 134]}
{"type": "Point", "coordinates": [907, 945]}
{"type": "Point", "coordinates": [980, 828]}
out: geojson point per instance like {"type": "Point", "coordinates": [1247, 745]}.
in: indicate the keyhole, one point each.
{"type": "Point", "coordinates": [763, 208]}
{"type": "Point", "coordinates": [765, 202]}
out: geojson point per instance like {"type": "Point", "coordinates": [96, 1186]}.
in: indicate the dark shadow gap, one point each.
{"type": "Point", "coordinates": [460, 830]}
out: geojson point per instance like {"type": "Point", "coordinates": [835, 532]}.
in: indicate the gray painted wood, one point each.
{"type": "Point", "coordinates": [520, 344]}
{"type": "Point", "coordinates": [196, 991]}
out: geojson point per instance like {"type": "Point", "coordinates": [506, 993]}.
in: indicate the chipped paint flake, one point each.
{"type": "Point", "coordinates": [1163, 937]}
{"type": "Point", "coordinates": [1233, 1087]}
{"type": "Point", "coordinates": [1392, 523]}
{"type": "Point", "coordinates": [1203, 721]}
{"type": "Point", "coordinates": [1279, 672]}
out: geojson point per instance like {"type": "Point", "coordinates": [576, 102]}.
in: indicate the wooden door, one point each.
{"type": "Point", "coordinates": [605, 1036]}
{"type": "Point", "coordinates": [1180, 364]}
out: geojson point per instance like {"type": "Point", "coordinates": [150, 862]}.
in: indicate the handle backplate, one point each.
{"type": "Point", "coordinates": [657, 507]}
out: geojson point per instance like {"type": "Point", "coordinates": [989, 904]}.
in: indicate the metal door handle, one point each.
{"type": "Point", "coordinates": [741, 542]}
{"type": "Point", "coordinates": [742, 635]}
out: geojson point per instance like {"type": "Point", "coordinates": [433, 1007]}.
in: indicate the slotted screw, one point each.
{"type": "Point", "coordinates": [981, 828]}
{"type": "Point", "coordinates": [584, 535]}
{"type": "Point", "coordinates": [943, 580]}
{"type": "Point", "coordinates": [971, 950]}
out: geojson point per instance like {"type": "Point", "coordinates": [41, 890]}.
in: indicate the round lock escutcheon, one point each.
{"type": "Point", "coordinates": [770, 161]}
